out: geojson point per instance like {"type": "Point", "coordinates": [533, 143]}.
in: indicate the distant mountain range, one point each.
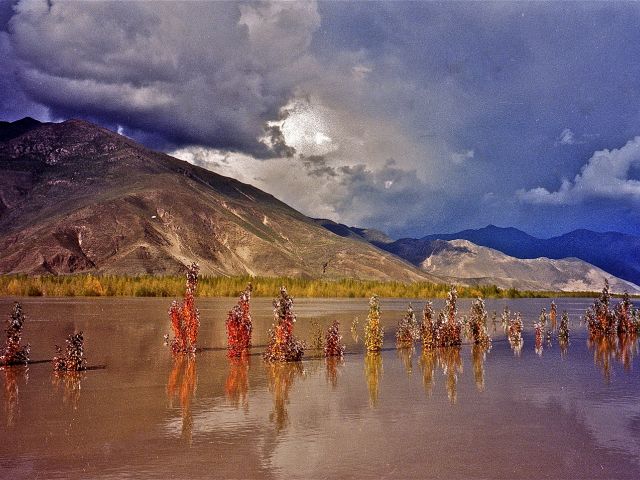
{"type": "Point", "coordinates": [465, 262]}
{"type": "Point", "coordinates": [75, 197]}
{"type": "Point", "coordinates": [508, 257]}
{"type": "Point", "coordinates": [615, 253]}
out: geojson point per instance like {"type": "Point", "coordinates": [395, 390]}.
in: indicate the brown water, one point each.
{"type": "Point", "coordinates": [452, 414]}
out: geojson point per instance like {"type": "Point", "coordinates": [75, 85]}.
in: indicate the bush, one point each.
{"type": "Point", "coordinates": [283, 346]}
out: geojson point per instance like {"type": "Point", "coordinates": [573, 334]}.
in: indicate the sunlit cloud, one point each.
{"type": "Point", "coordinates": [605, 175]}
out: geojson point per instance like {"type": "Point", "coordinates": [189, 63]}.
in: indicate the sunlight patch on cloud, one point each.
{"type": "Point", "coordinates": [605, 175]}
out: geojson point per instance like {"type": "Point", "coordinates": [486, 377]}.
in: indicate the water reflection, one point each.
{"type": "Point", "coordinates": [70, 383]}
{"type": "Point", "coordinates": [333, 363]}
{"type": "Point", "coordinates": [10, 376]}
{"type": "Point", "coordinates": [451, 364]}
{"type": "Point", "coordinates": [478, 356]}
{"type": "Point", "coordinates": [406, 357]}
{"type": "Point", "coordinates": [372, 374]}
{"type": "Point", "coordinates": [428, 362]}
{"type": "Point", "coordinates": [182, 385]}
{"type": "Point", "coordinates": [236, 386]}
{"type": "Point", "coordinates": [607, 348]}
{"type": "Point", "coordinates": [281, 377]}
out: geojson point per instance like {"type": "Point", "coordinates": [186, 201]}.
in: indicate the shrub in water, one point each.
{"type": "Point", "coordinates": [333, 342]}
{"type": "Point", "coordinates": [185, 318]}
{"type": "Point", "coordinates": [563, 331]}
{"type": "Point", "coordinates": [538, 330]}
{"type": "Point", "coordinates": [450, 333]}
{"type": "Point", "coordinates": [600, 319]}
{"type": "Point", "coordinates": [542, 320]}
{"type": "Point", "coordinates": [239, 325]}
{"type": "Point", "coordinates": [14, 353]}
{"type": "Point", "coordinates": [373, 332]}
{"type": "Point", "coordinates": [428, 328]}
{"type": "Point", "coordinates": [624, 315]}
{"type": "Point", "coordinates": [72, 358]}
{"type": "Point", "coordinates": [478, 323]}
{"type": "Point", "coordinates": [283, 346]}
{"type": "Point", "coordinates": [408, 330]}
{"type": "Point", "coordinates": [553, 315]}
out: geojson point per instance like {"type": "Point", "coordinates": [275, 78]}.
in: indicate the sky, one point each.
{"type": "Point", "coordinates": [413, 118]}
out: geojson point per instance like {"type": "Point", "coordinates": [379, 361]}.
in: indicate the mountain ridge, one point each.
{"type": "Point", "coordinates": [75, 197]}
{"type": "Point", "coordinates": [614, 252]}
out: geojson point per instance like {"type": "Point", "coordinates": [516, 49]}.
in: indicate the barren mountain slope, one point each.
{"type": "Point", "coordinates": [75, 197]}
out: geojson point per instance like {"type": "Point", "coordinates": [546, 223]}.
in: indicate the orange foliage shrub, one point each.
{"type": "Point", "coordinates": [239, 326]}
{"type": "Point", "coordinates": [185, 318]}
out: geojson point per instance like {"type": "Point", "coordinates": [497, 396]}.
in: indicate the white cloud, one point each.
{"type": "Point", "coordinates": [605, 175]}
{"type": "Point", "coordinates": [460, 157]}
{"type": "Point", "coordinates": [567, 137]}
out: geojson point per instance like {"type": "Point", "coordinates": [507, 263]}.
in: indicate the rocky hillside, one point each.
{"type": "Point", "coordinates": [614, 252]}
{"type": "Point", "coordinates": [75, 197]}
{"type": "Point", "coordinates": [465, 262]}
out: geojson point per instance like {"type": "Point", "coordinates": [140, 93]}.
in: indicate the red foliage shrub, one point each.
{"type": "Point", "coordinates": [283, 346]}
{"type": "Point", "coordinates": [72, 359]}
{"type": "Point", "coordinates": [13, 352]}
{"type": "Point", "coordinates": [333, 341]}
{"type": "Point", "coordinates": [185, 318]}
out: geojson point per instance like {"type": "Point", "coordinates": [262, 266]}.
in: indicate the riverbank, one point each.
{"type": "Point", "coordinates": [173, 286]}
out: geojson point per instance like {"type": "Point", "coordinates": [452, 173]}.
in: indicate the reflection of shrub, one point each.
{"type": "Point", "coordinates": [283, 346]}
{"type": "Point", "coordinates": [72, 359]}
{"type": "Point", "coordinates": [13, 352]}
{"type": "Point", "coordinates": [332, 345]}
{"type": "Point", "coordinates": [239, 325]}
{"type": "Point", "coordinates": [185, 318]}
{"type": "Point", "coordinates": [373, 332]}
{"type": "Point", "coordinates": [408, 330]}
{"type": "Point", "coordinates": [373, 372]}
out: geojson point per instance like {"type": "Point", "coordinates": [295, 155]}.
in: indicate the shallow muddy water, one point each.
{"type": "Point", "coordinates": [138, 413]}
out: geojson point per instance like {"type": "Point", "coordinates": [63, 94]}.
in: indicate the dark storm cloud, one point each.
{"type": "Point", "coordinates": [490, 110]}
{"type": "Point", "coordinates": [210, 73]}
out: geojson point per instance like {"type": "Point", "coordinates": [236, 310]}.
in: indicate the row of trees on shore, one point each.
{"type": "Point", "coordinates": [172, 286]}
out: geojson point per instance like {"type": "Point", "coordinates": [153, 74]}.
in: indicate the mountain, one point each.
{"type": "Point", "coordinates": [615, 253]}
{"type": "Point", "coordinates": [9, 130]}
{"type": "Point", "coordinates": [465, 262]}
{"type": "Point", "coordinates": [367, 234]}
{"type": "Point", "coordinates": [75, 197]}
